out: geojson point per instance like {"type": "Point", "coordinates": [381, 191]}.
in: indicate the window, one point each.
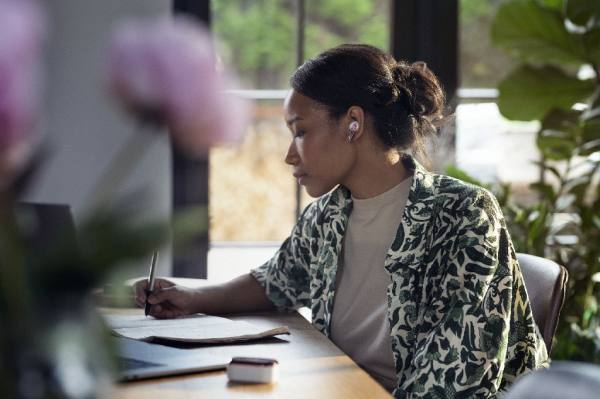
{"type": "Point", "coordinates": [253, 195]}
{"type": "Point", "coordinates": [252, 192]}
{"type": "Point", "coordinates": [481, 64]}
{"type": "Point", "coordinates": [488, 146]}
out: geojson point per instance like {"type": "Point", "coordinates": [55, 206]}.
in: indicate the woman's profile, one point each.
{"type": "Point", "coordinates": [411, 273]}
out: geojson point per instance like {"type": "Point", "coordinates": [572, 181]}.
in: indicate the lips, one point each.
{"type": "Point", "coordinates": [300, 176]}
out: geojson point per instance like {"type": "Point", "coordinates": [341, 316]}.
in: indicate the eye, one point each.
{"type": "Point", "coordinates": [299, 134]}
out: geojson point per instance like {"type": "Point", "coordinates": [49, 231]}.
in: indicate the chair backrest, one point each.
{"type": "Point", "coordinates": [546, 283]}
{"type": "Point", "coordinates": [562, 380]}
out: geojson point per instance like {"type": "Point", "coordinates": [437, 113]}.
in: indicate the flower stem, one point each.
{"type": "Point", "coordinates": [15, 290]}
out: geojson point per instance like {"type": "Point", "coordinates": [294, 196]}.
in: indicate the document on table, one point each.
{"type": "Point", "coordinates": [199, 328]}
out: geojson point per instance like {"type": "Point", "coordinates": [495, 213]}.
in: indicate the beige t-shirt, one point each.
{"type": "Point", "coordinates": [359, 324]}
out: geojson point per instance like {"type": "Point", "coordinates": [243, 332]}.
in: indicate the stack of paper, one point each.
{"type": "Point", "coordinates": [198, 328]}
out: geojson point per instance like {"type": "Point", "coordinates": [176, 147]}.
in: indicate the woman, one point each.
{"type": "Point", "coordinates": [412, 274]}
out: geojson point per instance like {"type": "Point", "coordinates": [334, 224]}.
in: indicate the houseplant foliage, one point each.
{"type": "Point", "coordinates": [52, 342]}
{"type": "Point", "coordinates": [558, 83]}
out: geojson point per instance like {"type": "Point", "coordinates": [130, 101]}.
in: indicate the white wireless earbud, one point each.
{"type": "Point", "coordinates": [352, 129]}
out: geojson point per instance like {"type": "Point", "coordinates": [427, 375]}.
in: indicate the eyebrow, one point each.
{"type": "Point", "coordinates": [294, 119]}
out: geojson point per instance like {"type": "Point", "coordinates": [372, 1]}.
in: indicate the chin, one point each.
{"type": "Point", "coordinates": [317, 192]}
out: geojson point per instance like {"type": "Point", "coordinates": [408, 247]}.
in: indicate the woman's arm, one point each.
{"type": "Point", "coordinates": [282, 282]}
{"type": "Point", "coordinates": [242, 294]}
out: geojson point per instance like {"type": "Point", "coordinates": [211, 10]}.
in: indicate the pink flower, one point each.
{"type": "Point", "coordinates": [21, 37]}
{"type": "Point", "coordinates": [165, 70]}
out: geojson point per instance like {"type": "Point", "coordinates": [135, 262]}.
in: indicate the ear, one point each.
{"type": "Point", "coordinates": [355, 114]}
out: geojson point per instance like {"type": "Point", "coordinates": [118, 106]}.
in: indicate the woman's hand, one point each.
{"type": "Point", "coordinates": [242, 294]}
{"type": "Point", "coordinates": [168, 299]}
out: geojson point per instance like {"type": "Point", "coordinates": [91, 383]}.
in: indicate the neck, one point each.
{"type": "Point", "coordinates": [371, 177]}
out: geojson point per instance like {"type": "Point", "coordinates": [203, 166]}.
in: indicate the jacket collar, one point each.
{"type": "Point", "coordinates": [412, 238]}
{"type": "Point", "coordinates": [409, 246]}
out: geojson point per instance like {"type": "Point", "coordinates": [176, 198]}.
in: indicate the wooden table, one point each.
{"type": "Point", "coordinates": [311, 366]}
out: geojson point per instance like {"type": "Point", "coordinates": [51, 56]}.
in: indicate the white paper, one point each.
{"type": "Point", "coordinates": [198, 328]}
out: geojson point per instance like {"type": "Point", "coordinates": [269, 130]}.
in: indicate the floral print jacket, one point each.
{"type": "Point", "coordinates": [461, 323]}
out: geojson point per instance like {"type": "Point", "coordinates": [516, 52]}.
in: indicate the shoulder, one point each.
{"type": "Point", "coordinates": [451, 196]}
{"type": "Point", "coordinates": [464, 200]}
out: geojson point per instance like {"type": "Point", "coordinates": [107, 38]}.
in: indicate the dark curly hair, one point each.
{"type": "Point", "coordinates": [405, 101]}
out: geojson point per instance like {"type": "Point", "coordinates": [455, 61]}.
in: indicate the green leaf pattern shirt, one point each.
{"type": "Point", "coordinates": [461, 322]}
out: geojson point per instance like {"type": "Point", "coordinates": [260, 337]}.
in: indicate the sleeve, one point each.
{"type": "Point", "coordinates": [286, 276]}
{"type": "Point", "coordinates": [462, 340]}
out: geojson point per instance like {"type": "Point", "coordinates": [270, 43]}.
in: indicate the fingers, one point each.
{"type": "Point", "coordinates": [163, 295]}
{"type": "Point", "coordinates": [168, 302]}
{"type": "Point", "coordinates": [161, 283]}
{"type": "Point", "coordinates": [164, 312]}
{"type": "Point", "coordinates": [139, 289]}
{"type": "Point", "coordinates": [141, 286]}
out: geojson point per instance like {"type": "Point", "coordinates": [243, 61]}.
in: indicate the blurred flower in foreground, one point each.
{"type": "Point", "coordinates": [165, 71]}
{"type": "Point", "coordinates": [21, 37]}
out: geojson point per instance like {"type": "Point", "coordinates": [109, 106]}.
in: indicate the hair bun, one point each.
{"type": "Point", "coordinates": [419, 90]}
{"type": "Point", "coordinates": [401, 72]}
{"type": "Point", "coordinates": [403, 89]}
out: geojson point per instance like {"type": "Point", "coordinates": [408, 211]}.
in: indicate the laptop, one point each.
{"type": "Point", "coordinates": [136, 359]}
{"type": "Point", "coordinates": [141, 360]}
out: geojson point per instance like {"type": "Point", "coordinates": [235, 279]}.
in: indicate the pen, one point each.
{"type": "Point", "coordinates": [150, 288]}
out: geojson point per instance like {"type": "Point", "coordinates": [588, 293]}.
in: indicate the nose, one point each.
{"type": "Point", "coordinates": [291, 158]}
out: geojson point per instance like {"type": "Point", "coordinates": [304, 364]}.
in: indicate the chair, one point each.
{"type": "Point", "coordinates": [561, 380]}
{"type": "Point", "coordinates": [546, 283]}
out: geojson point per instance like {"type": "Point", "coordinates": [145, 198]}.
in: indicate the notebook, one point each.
{"type": "Point", "coordinates": [196, 329]}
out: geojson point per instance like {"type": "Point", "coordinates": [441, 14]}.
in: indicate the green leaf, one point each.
{"type": "Point", "coordinates": [591, 137]}
{"type": "Point", "coordinates": [577, 186]}
{"type": "Point", "coordinates": [593, 107]}
{"type": "Point", "coordinates": [545, 189]}
{"type": "Point", "coordinates": [583, 12]}
{"type": "Point", "coordinates": [553, 4]}
{"type": "Point", "coordinates": [536, 236]}
{"type": "Point", "coordinates": [591, 126]}
{"type": "Point", "coordinates": [596, 222]}
{"type": "Point", "coordinates": [564, 202]}
{"type": "Point", "coordinates": [535, 33]}
{"type": "Point", "coordinates": [557, 139]}
{"type": "Point", "coordinates": [564, 121]}
{"type": "Point", "coordinates": [549, 168]}
{"type": "Point", "coordinates": [590, 147]}
{"type": "Point", "coordinates": [528, 93]}
{"type": "Point", "coordinates": [591, 43]}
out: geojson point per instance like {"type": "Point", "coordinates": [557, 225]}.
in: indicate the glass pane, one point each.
{"type": "Point", "coordinates": [333, 22]}
{"type": "Point", "coordinates": [257, 39]}
{"type": "Point", "coordinates": [493, 149]}
{"type": "Point", "coordinates": [481, 63]}
{"type": "Point", "coordinates": [252, 190]}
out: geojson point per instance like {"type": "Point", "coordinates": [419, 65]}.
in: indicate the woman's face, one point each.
{"type": "Point", "coordinates": [319, 153]}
